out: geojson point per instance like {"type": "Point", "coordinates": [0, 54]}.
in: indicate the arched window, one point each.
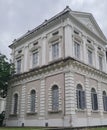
{"type": "Point", "coordinates": [81, 101]}
{"type": "Point", "coordinates": [55, 98]}
{"type": "Point", "coordinates": [104, 101]}
{"type": "Point", "coordinates": [94, 99]}
{"type": "Point", "coordinates": [33, 100]}
{"type": "Point", "coordinates": [15, 103]}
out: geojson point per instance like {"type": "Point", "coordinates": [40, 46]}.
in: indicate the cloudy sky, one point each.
{"type": "Point", "coordinates": [19, 16]}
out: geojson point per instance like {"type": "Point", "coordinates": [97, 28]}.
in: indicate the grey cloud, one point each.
{"type": "Point", "coordinates": [16, 17]}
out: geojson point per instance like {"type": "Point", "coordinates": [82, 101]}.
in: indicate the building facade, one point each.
{"type": "Point", "coordinates": [2, 104]}
{"type": "Point", "coordinates": [61, 74]}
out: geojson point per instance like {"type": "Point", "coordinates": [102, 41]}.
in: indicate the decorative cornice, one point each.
{"type": "Point", "coordinates": [61, 64]}
{"type": "Point", "coordinates": [43, 25]}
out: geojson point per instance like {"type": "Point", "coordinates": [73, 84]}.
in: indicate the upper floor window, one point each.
{"type": "Point", "coordinates": [100, 62]}
{"type": "Point", "coordinates": [55, 50]}
{"type": "Point", "coordinates": [77, 49]}
{"type": "Point", "coordinates": [81, 102]}
{"type": "Point", "coordinates": [94, 99]}
{"type": "Point", "coordinates": [33, 100]}
{"type": "Point", "coordinates": [104, 101]}
{"type": "Point", "coordinates": [55, 98]}
{"type": "Point", "coordinates": [35, 59]}
{"type": "Point", "coordinates": [90, 57]}
{"type": "Point", "coordinates": [18, 66]}
{"type": "Point", "coordinates": [15, 103]}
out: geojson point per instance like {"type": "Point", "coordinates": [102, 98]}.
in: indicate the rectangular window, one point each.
{"type": "Point", "coordinates": [77, 49]}
{"type": "Point", "coordinates": [100, 63]}
{"type": "Point", "coordinates": [55, 51]}
{"type": "Point", "coordinates": [19, 66]}
{"type": "Point", "coordinates": [90, 59]}
{"type": "Point", "coordinates": [35, 58]}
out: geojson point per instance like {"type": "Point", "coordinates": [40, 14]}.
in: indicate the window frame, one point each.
{"type": "Point", "coordinates": [51, 41]}
{"type": "Point", "coordinates": [15, 104]}
{"type": "Point", "coordinates": [94, 99]}
{"type": "Point", "coordinates": [55, 53]}
{"type": "Point", "coordinates": [19, 66]}
{"type": "Point", "coordinates": [104, 96]}
{"type": "Point", "coordinates": [77, 51]}
{"type": "Point", "coordinates": [33, 101]}
{"type": "Point", "coordinates": [55, 102]}
{"type": "Point", "coordinates": [37, 62]}
{"type": "Point", "coordinates": [90, 61]}
{"type": "Point", "coordinates": [81, 97]}
{"type": "Point", "coordinates": [100, 61]}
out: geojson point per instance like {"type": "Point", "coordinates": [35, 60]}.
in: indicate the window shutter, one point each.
{"type": "Point", "coordinates": [55, 98]}
{"type": "Point", "coordinates": [105, 103]}
{"type": "Point", "coordinates": [33, 100]}
{"type": "Point", "coordinates": [15, 103]}
{"type": "Point", "coordinates": [95, 102]}
{"type": "Point", "coordinates": [83, 100]}
{"type": "Point", "coordinates": [92, 101]}
{"type": "Point", "coordinates": [77, 96]}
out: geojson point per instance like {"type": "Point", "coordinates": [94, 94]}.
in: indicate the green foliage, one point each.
{"type": "Point", "coordinates": [6, 70]}
{"type": "Point", "coordinates": [2, 116]}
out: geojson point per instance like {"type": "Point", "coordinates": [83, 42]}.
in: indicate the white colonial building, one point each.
{"type": "Point", "coordinates": [2, 104]}
{"type": "Point", "coordinates": [61, 74]}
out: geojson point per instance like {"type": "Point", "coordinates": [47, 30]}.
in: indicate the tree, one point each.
{"type": "Point", "coordinates": [6, 70]}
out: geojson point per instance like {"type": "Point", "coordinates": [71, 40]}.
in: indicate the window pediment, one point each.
{"type": "Point", "coordinates": [55, 38]}
{"type": "Point", "coordinates": [90, 46]}
{"type": "Point", "coordinates": [77, 38]}
{"type": "Point", "coordinates": [100, 52]}
{"type": "Point", "coordinates": [18, 56]}
{"type": "Point", "coordinates": [34, 48]}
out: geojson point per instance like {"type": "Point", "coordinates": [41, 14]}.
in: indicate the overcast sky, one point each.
{"type": "Point", "coordinates": [19, 16]}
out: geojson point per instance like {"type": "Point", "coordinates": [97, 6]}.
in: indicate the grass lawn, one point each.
{"type": "Point", "coordinates": [43, 129]}
{"type": "Point", "coordinates": [22, 129]}
{"type": "Point", "coordinates": [98, 129]}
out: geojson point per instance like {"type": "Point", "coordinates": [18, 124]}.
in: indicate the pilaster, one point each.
{"type": "Point", "coordinates": [88, 96]}
{"type": "Point", "coordinates": [100, 100]}
{"type": "Point", "coordinates": [68, 39]}
{"type": "Point", "coordinates": [69, 93]}
{"type": "Point", "coordinates": [22, 106]}
{"type": "Point", "coordinates": [105, 62]}
{"type": "Point", "coordinates": [26, 59]}
{"type": "Point", "coordinates": [85, 50]}
{"type": "Point", "coordinates": [42, 99]}
{"type": "Point", "coordinates": [44, 50]}
{"type": "Point", "coordinates": [96, 58]}
{"type": "Point", "coordinates": [8, 103]}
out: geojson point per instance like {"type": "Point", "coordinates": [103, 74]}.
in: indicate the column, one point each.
{"type": "Point", "coordinates": [68, 39]}
{"type": "Point", "coordinates": [44, 50]}
{"type": "Point", "coordinates": [42, 99]}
